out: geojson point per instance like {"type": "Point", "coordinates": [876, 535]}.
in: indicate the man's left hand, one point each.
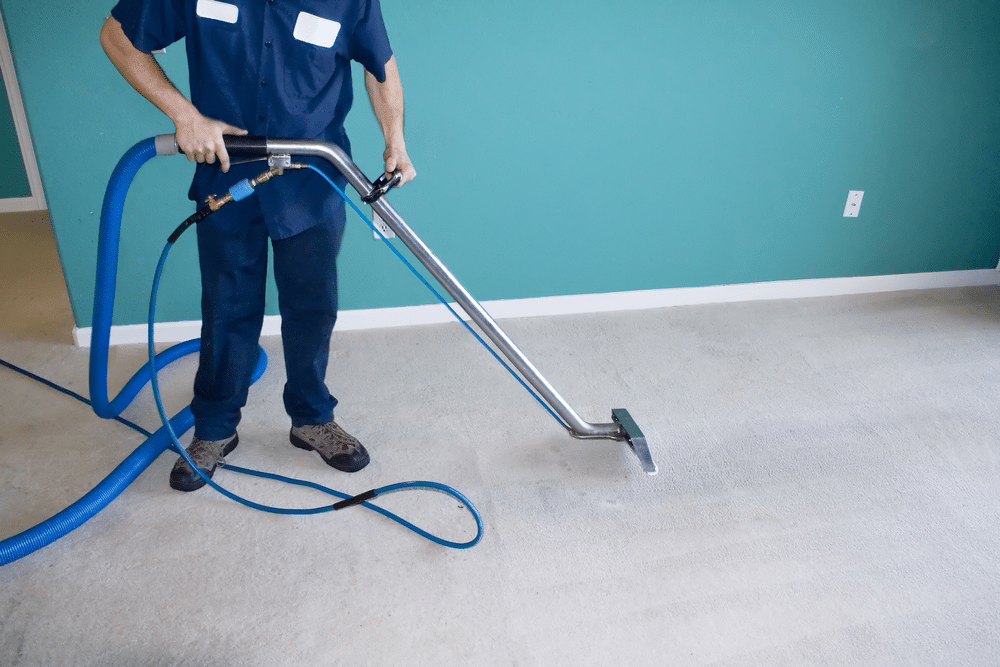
{"type": "Point", "coordinates": [396, 159]}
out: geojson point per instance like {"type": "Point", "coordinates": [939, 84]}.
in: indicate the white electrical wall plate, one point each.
{"type": "Point", "coordinates": [381, 226]}
{"type": "Point", "coordinates": [853, 207]}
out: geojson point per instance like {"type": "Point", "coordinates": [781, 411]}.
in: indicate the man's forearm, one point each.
{"type": "Point", "coordinates": [143, 72]}
{"type": "Point", "coordinates": [387, 102]}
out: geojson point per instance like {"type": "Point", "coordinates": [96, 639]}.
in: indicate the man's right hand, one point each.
{"type": "Point", "coordinates": [201, 138]}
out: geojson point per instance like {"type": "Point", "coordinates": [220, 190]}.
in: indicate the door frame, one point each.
{"type": "Point", "coordinates": [36, 202]}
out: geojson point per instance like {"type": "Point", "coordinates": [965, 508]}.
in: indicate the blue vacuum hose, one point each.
{"type": "Point", "coordinates": [99, 497]}
{"type": "Point", "coordinates": [106, 284]}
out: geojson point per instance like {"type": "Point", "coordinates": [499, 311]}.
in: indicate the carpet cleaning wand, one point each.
{"type": "Point", "coordinates": [622, 428]}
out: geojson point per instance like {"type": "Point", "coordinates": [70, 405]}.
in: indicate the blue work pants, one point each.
{"type": "Point", "coordinates": [233, 255]}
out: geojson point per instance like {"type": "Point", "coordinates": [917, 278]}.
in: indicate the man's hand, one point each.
{"type": "Point", "coordinates": [201, 138]}
{"type": "Point", "coordinates": [396, 159]}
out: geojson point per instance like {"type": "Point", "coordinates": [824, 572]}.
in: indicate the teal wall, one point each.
{"type": "Point", "coordinates": [582, 147]}
{"type": "Point", "coordinates": [13, 177]}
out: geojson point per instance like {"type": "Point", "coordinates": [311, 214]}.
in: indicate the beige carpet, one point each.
{"type": "Point", "coordinates": [829, 494]}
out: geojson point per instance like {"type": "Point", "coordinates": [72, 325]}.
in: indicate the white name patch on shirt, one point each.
{"type": "Point", "coordinates": [315, 30]}
{"type": "Point", "coordinates": [220, 11]}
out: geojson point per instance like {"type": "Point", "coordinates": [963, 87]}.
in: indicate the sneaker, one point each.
{"type": "Point", "coordinates": [337, 447]}
{"type": "Point", "coordinates": [206, 454]}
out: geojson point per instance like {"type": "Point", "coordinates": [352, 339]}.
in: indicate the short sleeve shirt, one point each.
{"type": "Point", "coordinates": [278, 68]}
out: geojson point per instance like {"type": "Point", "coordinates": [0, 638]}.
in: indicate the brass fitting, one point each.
{"type": "Point", "coordinates": [216, 204]}
{"type": "Point", "coordinates": [266, 176]}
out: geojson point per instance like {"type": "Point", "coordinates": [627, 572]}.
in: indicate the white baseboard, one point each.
{"type": "Point", "coordinates": [164, 332]}
{"type": "Point", "coordinates": [381, 318]}
{"type": "Point", "coordinates": [21, 205]}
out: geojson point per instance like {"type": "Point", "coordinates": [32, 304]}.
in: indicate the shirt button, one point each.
{"type": "Point", "coordinates": [263, 83]}
{"type": "Point", "coordinates": [267, 43]}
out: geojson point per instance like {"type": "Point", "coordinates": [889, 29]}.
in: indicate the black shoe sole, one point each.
{"type": "Point", "coordinates": [342, 462]}
{"type": "Point", "coordinates": [192, 481]}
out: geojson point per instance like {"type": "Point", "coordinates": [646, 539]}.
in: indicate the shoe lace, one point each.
{"type": "Point", "coordinates": [206, 452]}
{"type": "Point", "coordinates": [337, 437]}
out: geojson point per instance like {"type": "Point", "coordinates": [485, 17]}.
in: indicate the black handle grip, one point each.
{"type": "Point", "coordinates": [239, 146]}
{"type": "Point", "coordinates": [384, 183]}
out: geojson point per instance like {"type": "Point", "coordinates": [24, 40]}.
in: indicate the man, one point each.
{"type": "Point", "coordinates": [279, 69]}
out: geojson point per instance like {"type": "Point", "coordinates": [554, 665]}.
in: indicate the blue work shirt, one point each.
{"type": "Point", "coordinates": [277, 68]}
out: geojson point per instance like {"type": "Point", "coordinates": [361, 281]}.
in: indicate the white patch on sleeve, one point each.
{"type": "Point", "coordinates": [220, 11]}
{"type": "Point", "coordinates": [316, 30]}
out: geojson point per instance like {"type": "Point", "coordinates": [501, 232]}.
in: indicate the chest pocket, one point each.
{"type": "Point", "coordinates": [312, 61]}
{"type": "Point", "coordinates": [217, 15]}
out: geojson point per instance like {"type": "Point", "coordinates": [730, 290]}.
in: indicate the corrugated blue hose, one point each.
{"type": "Point", "coordinates": [107, 490]}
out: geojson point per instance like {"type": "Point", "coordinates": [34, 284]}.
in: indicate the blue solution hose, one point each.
{"type": "Point", "coordinates": [361, 499]}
